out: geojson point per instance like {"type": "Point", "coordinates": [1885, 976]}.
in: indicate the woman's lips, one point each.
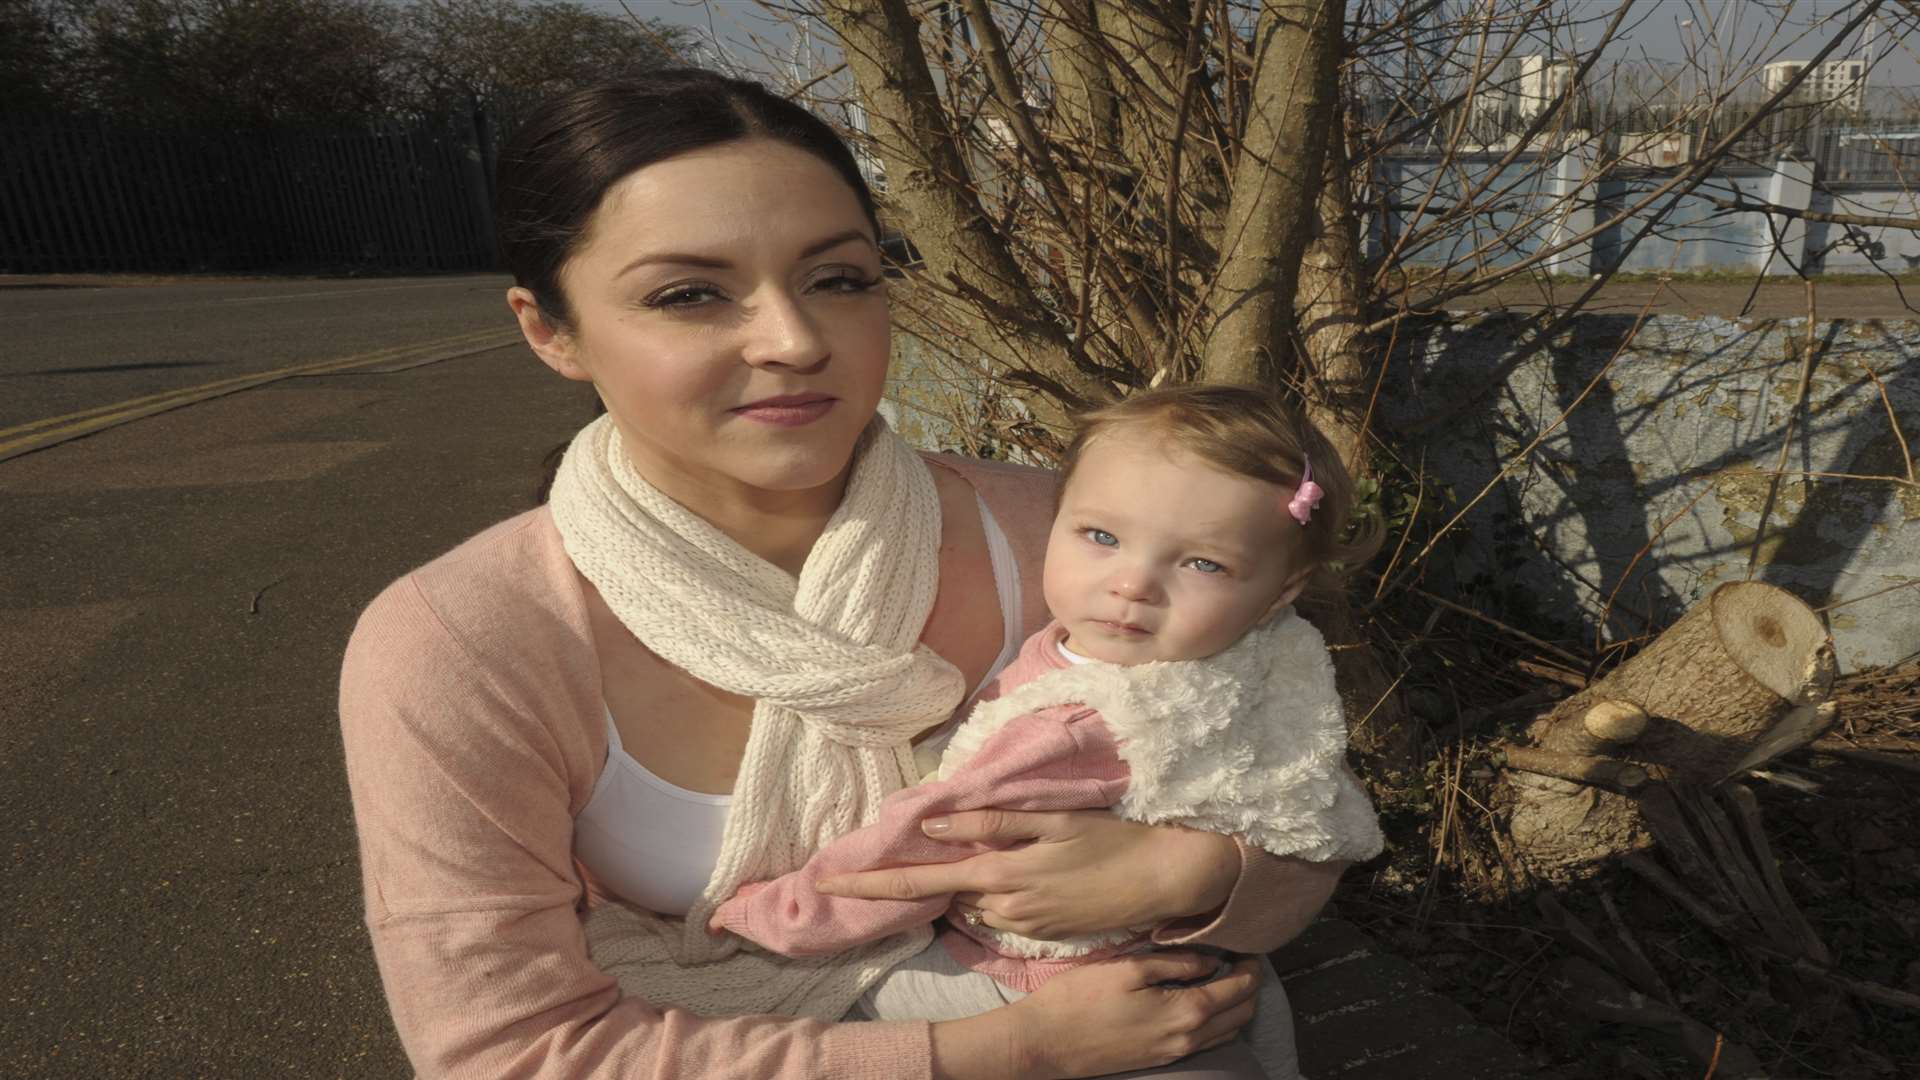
{"type": "Point", "coordinates": [792, 411]}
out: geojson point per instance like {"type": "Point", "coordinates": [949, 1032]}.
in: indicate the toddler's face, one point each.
{"type": "Point", "coordinates": [1156, 555]}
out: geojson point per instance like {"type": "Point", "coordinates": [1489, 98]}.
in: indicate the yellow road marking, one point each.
{"type": "Point", "coordinates": [37, 434]}
{"type": "Point", "coordinates": [275, 373]}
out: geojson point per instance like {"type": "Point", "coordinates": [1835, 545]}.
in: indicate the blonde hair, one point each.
{"type": "Point", "coordinates": [1251, 433]}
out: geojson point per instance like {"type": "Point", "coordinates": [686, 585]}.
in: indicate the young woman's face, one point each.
{"type": "Point", "coordinates": [1156, 555]}
{"type": "Point", "coordinates": [729, 308]}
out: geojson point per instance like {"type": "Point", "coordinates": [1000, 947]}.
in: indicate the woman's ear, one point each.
{"type": "Point", "coordinates": [553, 345]}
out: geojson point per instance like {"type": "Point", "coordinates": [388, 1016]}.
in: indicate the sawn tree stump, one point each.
{"type": "Point", "coordinates": [1744, 676]}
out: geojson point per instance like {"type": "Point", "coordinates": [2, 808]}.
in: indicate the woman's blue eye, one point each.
{"type": "Point", "coordinates": [1207, 566]}
{"type": "Point", "coordinates": [1102, 537]}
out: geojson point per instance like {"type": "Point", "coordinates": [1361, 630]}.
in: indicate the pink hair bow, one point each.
{"type": "Point", "coordinates": [1306, 496]}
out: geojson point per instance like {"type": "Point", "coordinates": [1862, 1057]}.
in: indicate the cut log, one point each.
{"type": "Point", "coordinates": [1743, 677]}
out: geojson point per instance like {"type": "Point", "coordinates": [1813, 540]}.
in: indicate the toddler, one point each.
{"type": "Point", "coordinates": [1174, 684]}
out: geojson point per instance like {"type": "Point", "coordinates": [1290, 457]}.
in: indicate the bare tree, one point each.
{"type": "Point", "coordinates": [1102, 195]}
{"type": "Point", "coordinates": [462, 53]}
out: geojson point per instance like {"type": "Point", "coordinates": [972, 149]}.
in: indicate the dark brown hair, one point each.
{"type": "Point", "coordinates": [1252, 433]}
{"type": "Point", "coordinates": [560, 163]}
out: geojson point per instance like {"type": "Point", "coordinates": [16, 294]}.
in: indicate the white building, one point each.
{"type": "Point", "coordinates": [1521, 88]}
{"type": "Point", "coordinates": [1843, 82]}
{"type": "Point", "coordinates": [1542, 81]}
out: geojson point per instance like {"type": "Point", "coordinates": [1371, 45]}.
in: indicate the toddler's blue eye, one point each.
{"type": "Point", "coordinates": [1208, 566]}
{"type": "Point", "coordinates": [1103, 537]}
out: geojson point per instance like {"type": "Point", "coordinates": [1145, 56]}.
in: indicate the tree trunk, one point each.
{"type": "Point", "coordinates": [1339, 360]}
{"type": "Point", "coordinates": [1269, 220]}
{"type": "Point", "coordinates": [1336, 369]}
{"type": "Point", "coordinates": [1742, 677]}
{"type": "Point", "coordinates": [929, 185]}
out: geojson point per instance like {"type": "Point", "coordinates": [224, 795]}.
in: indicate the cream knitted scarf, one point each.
{"type": "Point", "coordinates": [834, 665]}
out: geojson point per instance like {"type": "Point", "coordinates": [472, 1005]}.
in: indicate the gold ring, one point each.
{"type": "Point", "coordinates": [974, 916]}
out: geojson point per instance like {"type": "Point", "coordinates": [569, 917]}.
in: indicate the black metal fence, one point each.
{"type": "Point", "coordinates": [1848, 150]}
{"type": "Point", "coordinates": [82, 195]}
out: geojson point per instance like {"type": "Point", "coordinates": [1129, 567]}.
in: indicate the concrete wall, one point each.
{"type": "Point", "coordinates": [1653, 491]}
{"type": "Point", "coordinates": [1691, 236]}
{"type": "Point", "coordinates": [1864, 249]}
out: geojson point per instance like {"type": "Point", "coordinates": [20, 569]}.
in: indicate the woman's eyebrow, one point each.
{"type": "Point", "coordinates": [834, 241]}
{"type": "Point", "coordinates": [710, 262]}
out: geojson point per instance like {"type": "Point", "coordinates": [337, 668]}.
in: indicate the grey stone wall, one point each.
{"type": "Point", "coordinates": [1654, 489]}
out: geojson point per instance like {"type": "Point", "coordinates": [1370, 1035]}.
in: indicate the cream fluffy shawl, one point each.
{"type": "Point", "coordinates": [840, 681]}
{"type": "Point", "coordinates": [1251, 741]}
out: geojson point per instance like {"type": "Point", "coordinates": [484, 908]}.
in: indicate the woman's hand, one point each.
{"type": "Point", "coordinates": [1077, 872]}
{"type": "Point", "coordinates": [1106, 1018]}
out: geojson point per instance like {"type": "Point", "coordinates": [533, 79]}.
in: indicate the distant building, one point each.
{"type": "Point", "coordinates": [1521, 88]}
{"type": "Point", "coordinates": [1842, 82]}
{"type": "Point", "coordinates": [1542, 81]}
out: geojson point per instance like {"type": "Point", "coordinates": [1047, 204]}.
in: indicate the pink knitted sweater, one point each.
{"type": "Point", "coordinates": [474, 731]}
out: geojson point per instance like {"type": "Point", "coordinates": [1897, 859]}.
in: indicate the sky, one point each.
{"type": "Point", "coordinates": [1657, 29]}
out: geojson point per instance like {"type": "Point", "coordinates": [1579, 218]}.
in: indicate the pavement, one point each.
{"type": "Point", "coordinates": [1362, 1013]}
{"type": "Point", "coordinates": [175, 591]}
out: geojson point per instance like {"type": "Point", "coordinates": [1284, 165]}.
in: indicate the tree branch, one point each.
{"type": "Point", "coordinates": [1742, 204]}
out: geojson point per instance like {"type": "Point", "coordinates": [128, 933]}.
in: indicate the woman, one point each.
{"type": "Point", "coordinates": [743, 585]}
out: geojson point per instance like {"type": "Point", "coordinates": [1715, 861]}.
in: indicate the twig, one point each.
{"type": "Point", "coordinates": [1657, 876]}
{"type": "Point", "coordinates": [1746, 810]}
{"type": "Point", "coordinates": [253, 606]}
{"type": "Point", "coordinates": [1610, 773]}
{"type": "Point", "coordinates": [1893, 420]}
{"type": "Point", "coordinates": [1362, 725]}
{"type": "Point", "coordinates": [1419, 497]}
{"type": "Point", "coordinates": [1497, 624]}
{"type": "Point", "coordinates": [1837, 604]}
{"type": "Point", "coordinates": [1644, 970]}
{"type": "Point", "coordinates": [1906, 763]}
{"type": "Point", "coordinates": [1447, 815]}
{"type": "Point", "coordinates": [1606, 611]}
{"type": "Point", "coordinates": [1741, 203]}
{"type": "Point", "coordinates": [1530, 702]}
{"type": "Point", "coordinates": [1860, 988]}
{"type": "Point", "coordinates": [1808, 361]}
{"type": "Point", "coordinates": [1559, 675]}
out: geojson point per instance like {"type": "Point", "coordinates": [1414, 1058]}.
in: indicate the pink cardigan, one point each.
{"type": "Point", "coordinates": [1059, 758]}
{"type": "Point", "coordinates": [471, 712]}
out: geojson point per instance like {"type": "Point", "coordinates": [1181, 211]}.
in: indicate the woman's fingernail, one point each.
{"type": "Point", "coordinates": [937, 826]}
{"type": "Point", "coordinates": [829, 886]}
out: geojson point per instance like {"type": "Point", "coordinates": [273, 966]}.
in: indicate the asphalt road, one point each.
{"type": "Point", "coordinates": [182, 897]}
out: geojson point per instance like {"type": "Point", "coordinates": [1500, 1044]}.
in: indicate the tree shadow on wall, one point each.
{"type": "Point", "coordinates": [1607, 512]}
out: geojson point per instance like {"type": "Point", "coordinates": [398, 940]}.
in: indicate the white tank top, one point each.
{"type": "Point", "coordinates": [655, 844]}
